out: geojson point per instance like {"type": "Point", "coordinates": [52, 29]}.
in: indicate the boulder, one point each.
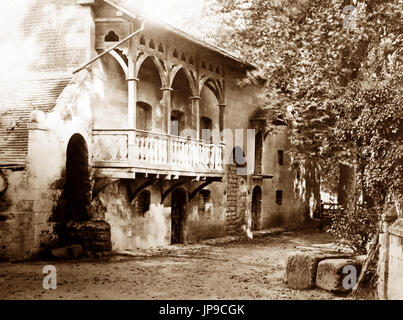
{"type": "Point", "coordinates": [338, 274]}
{"type": "Point", "coordinates": [302, 267]}
{"type": "Point", "coordinates": [75, 251]}
{"type": "Point", "coordinates": [60, 253]}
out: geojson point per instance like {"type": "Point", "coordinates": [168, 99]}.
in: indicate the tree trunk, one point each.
{"type": "Point", "coordinates": [346, 188]}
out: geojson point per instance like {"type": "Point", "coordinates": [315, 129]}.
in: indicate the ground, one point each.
{"type": "Point", "coordinates": [221, 269]}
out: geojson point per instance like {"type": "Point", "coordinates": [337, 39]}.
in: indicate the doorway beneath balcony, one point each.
{"type": "Point", "coordinates": [178, 214]}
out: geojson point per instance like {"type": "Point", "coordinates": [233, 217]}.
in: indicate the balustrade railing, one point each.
{"type": "Point", "coordinates": [136, 148]}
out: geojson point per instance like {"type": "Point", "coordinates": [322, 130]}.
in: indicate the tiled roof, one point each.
{"type": "Point", "coordinates": [17, 100]}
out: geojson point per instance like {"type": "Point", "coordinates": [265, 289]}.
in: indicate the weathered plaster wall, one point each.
{"type": "Point", "coordinates": [288, 212]}
{"type": "Point", "coordinates": [44, 37]}
{"type": "Point", "coordinates": [129, 229]}
{"type": "Point", "coordinates": [111, 110]}
{"type": "Point", "coordinates": [208, 222]}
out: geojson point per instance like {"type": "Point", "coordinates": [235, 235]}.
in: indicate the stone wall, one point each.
{"type": "Point", "coordinates": [131, 229]}
{"type": "Point", "coordinates": [206, 220]}
{"type": "Point", "coordinates": [390, 265]}
{"type": "Point", "coordinates": [45, 36]}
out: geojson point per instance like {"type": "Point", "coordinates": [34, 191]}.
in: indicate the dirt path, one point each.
{"type": "Point", "coordinates": [238, 270]}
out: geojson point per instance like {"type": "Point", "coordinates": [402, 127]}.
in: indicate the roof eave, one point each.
{"type": "Point", "coordinates": [182, 34]}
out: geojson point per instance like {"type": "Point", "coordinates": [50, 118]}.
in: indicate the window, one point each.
{"type": "Point", "coordinates": [204, 198]}
{"type": "Point", "coordinates": [111, 37]}
{"type": "Point", "coordinates": [206, 124]}
{"type": "Point", "coordinates": [143, 116]}
{"type": "Point", "coordinates": [142, 204]}
{"type": "Point", "coordinates": [279, 197]}
{"type": "Point", "coordinates": [280, 157]}
{"type": "Point", "coordinates": [177, 122]}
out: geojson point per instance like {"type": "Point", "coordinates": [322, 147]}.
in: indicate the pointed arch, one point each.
{"type": "Point", "coordinates": [216, 86]}
{"type": "Point", "coordinates": [120, 60]}
{"type": "Point", "coordinates": [158, 64]}
{"type": "Point", "coordinates": [188, 74]}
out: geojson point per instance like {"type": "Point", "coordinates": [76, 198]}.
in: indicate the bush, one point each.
{"type": "Point", "coordinates": [356, 227]}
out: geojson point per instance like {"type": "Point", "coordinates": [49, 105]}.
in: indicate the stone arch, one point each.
{"type": "Point", "coordinates": [141, 203]}
{"type": "Point", "coordinates": [209, 107]}
{"type": "Point", "coordinates": [216, 86]}
{"type": "Point", "coordinates": [149, 88]}
{"type": "Point", "coordinates": [175, 70]}
{"type": "Point", "coordinates": [157, 63]}
{"type": "Point", "coordinates": [121, 61]}
{"type": "Point", "coordinates": [181, 100]}
{"type": "Point", "coordinates": [78, 186]}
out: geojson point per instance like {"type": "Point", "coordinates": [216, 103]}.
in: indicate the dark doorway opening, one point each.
{"type": "Point", "coordinates": [78, 187]}
{"type": "Point", "coordinates": [178, 212]}
{"type": "Point", "coordinates": [256, 207]}
{"type": "Point", "coordinates": [258, 152]}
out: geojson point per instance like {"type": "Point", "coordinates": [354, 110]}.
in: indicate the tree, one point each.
{"type": "Point", "coordinates": [335, 76]}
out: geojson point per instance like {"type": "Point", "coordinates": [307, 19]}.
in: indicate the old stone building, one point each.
{"type": "Point", "coordinates": [123, 141]}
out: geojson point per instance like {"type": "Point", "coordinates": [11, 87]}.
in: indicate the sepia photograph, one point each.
{"type": "Point", "coordinates": [201, 154]}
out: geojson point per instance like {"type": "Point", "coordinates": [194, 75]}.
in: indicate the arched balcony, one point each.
{"type": "Point", "coordinates": [168, 107]}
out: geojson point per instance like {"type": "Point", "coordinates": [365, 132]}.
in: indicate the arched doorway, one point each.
{"type": "Point", "coordinates": [77, 188]}
{"type": "Point", "coordinates": [256, 207]}
{"type": "Point", "coordinates": [178, 212]}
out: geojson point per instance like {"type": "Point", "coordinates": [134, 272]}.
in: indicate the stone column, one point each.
{"type": "Point", "coordinates": [132, 82]}
{"type": "Point", "coordinates": [196, 115]}
{"type": "Point", "coordinates": [132, 109]}
{"type": "Point", "coordinates": [222, 107]}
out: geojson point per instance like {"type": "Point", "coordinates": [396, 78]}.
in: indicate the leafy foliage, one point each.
{"type": "Point", "coordinates": [335, 77]}
{"type": "Point", "coordinates": [357, 227]}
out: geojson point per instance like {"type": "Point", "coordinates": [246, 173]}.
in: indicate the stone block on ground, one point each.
{"type": "Point", "coordinates": [75, 251]}
{"type": "Point", "coordinates": [60, 253]}
{"type": "Point", "coordinates": [302, 267]}
{"type": "Point", "coordinates": [332, 276]}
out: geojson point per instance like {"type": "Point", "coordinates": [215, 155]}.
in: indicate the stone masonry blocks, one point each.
{"type": "Point", "coordinates": [302, 267]}
{"type": "Point", "coordinates": [330, 275]}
